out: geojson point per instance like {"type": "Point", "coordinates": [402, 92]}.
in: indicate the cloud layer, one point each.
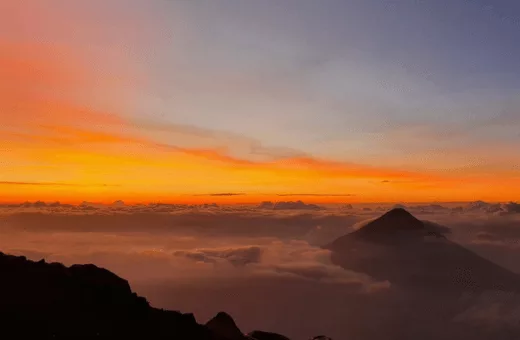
{"type": "Point", "coordinates": [265, 266]}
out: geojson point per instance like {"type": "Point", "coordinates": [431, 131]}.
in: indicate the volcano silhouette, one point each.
{"type": "Point", "coordinates": [400, 248]}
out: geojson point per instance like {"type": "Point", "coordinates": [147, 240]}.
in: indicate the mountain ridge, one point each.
{"type": "Point", "coordinates": [43, 300]}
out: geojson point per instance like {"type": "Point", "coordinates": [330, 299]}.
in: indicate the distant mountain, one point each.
{"type": "Point", "coordinates": [411, 253]}
{"type": "Point", "coordinates": [394, 221]}
{"type": "Point", "coordinates": [40, 300]}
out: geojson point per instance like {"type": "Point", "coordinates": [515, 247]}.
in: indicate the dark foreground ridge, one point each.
{"type": "Point", "coordinates": [40, 300]}
{"type": "Point", "coordinates": [411, 253]}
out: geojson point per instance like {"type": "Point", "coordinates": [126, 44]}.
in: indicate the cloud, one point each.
{"type": "Point", "coordinates": [195, 137]}
{"type": "Point", "coordinates": [54, 184]}
{"type": "Point", "coordinates": [90, 146]}
{"type": "Point", "coordinates": [231, 256]}
{"type": "Point", "coordinates": [36, 183]}
{"type": "Point", "coordinates": [288, 205]}
{"type": "Point", "coordinates": [69, 136]}
{"type": "Point", "coordinates": [494, 309]}
{"type": "Point", "coordinates": [58, 135]}
{"type": "Point", "coordinates": [61, 135]}
{"type": "Point", "coordinates": [236, 256]}
{"type": "Point", "coordinates": [493, 241]}
{"type": "Point", "coordinates": [485, 236]}
{"type": "Point", "coordinates": [485, 207]}
{"type": "Point", "coordinates": [487, 143]}
{"type": "Point", "coordinates": [208, 219]}
{"type": "Point", "coordinates": [317, 195]}
{"type": "Point", "coordinates": [512, 207]}
{"type": "Point", "coordinates": [293, 259]}
{"type": "Point", "coordinates": [219, 194]}
{"type": "Point", "coordinates": [142, 257]}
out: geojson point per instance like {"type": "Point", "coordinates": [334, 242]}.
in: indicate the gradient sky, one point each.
{"type": "Point", "coordinates": [330, 101]}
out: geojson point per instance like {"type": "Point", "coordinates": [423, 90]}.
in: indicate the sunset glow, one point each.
{"type": "Point", "coordinates": [72, 131]}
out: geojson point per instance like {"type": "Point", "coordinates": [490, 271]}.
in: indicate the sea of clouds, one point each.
{"type": "Point", "coordinates": [262, 263]}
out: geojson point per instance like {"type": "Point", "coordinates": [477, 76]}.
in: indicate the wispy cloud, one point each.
{"type": "Point", "coordinates": [38, 183]}
{"type": "Point", "coordinates": [80, 137]}
{"type": "Point", "coordinates": [317, 195]}
{"type": "Point", "coordinates": [221, 194]}
{"type": "Point", "coordinates": [237, 145]}
{"type": "Point", "coordinates": [55, 184]}
{"type": "Point", "coordinates": [72, 145]}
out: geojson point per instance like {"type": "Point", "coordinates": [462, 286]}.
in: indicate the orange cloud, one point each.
{"type": "Point", "coordinates": [64, 135]}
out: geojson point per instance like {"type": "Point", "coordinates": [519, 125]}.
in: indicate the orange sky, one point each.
{"type": "Point", "coordinates": [55, 149]}
{"type": "Point", "coordinates": [55, 144]}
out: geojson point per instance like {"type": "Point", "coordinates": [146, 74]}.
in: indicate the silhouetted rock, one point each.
{"type": "Point", "coordinates": [224, 326]}
{"type": "Point", "coordinates": [259, 335]}
{"type": "Point", "coordinates": [40, 300]}
{"type": "Point", "coordinates": [410, 253]}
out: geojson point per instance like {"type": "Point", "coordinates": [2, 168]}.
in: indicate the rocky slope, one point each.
{"type": "Point", "coordinates": [40, 300]}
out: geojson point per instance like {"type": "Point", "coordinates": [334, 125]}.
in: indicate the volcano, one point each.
{"type": "Point", "coordinates": [410, 254]}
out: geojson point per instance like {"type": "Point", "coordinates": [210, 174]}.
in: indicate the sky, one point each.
{"type": "Point", "coordinates": [233, 101]}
